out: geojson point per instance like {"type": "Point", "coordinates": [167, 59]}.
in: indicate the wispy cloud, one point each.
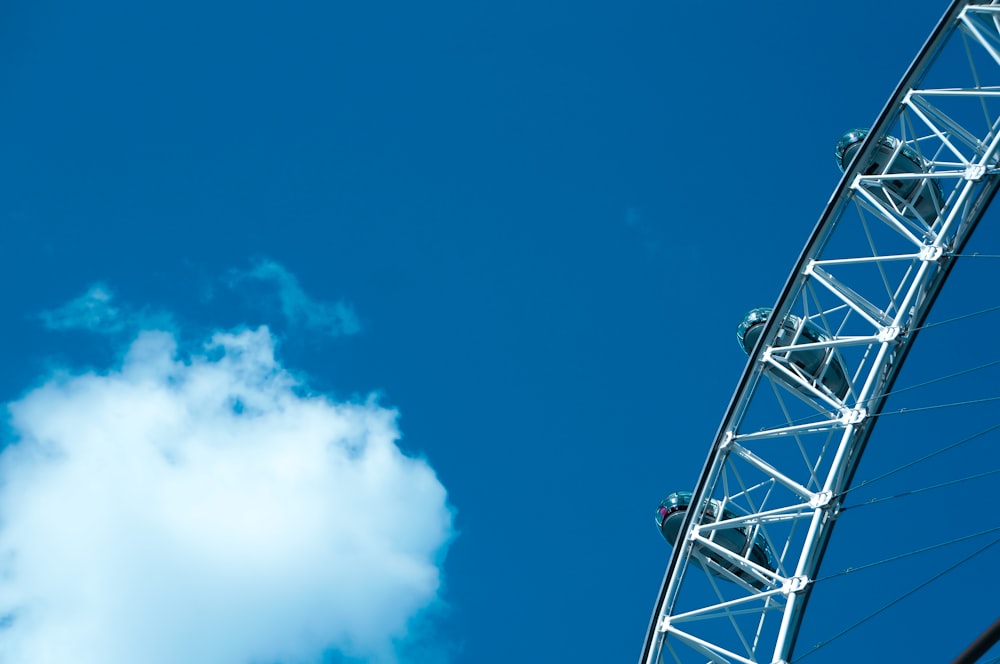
{"type": "Point", "coordinates": [209, 509]}
{"type": "Point", "coordinates": [91, 311]}
{"type": "Point", "coordinates": [332, 318]}
{"type": "Point", "coordinates": [96, 311]}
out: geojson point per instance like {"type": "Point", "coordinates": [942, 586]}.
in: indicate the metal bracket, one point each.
{"type": "Point", "coordinates": [889, 334]}
{"type": "Point", "coordinates": [975, 172]}
{"type": "Point", "coordinates": [727, 441]}
{"type": "Point", "coordinates": [931, 253]}
{"type": "Point", "coordinates": [853, 416]}
{"type": "Point", "coordinates": [821, 499]}
{"type": "Point", "coordinates": [795, 584]}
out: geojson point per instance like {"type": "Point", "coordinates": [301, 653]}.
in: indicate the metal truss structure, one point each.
{"type": "Point", "coordinates": [829, 352]}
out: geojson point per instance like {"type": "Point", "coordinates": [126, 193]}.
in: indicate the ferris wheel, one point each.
{"type": "Point", "coordinates": [750, 537]}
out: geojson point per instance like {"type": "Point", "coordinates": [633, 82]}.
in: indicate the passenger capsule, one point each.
{"type": "Point", "coordinates": [822, 365]}
{"type": "Point", "coordinates": [891, 156]}
{"type": "Point", "coordinates": [670, 517]}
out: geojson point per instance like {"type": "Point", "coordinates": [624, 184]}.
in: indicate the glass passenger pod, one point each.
{"type": "Point", "coordinates": [911, 197]}
{"type": "Point", "coordinates": [738, 539]}
{"type": "Point", "coordinates": [822, 366]}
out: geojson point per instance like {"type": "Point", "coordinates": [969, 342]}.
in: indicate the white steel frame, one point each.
{"type": "Point", "coordinates": [787, 448]}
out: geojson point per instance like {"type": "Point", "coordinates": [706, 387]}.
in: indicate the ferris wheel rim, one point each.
{"type": "Point", "coordinates": [915, 71]}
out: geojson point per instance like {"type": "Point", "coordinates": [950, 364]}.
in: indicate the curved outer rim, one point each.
{"type": "Point", "coordinates": [918, 66]}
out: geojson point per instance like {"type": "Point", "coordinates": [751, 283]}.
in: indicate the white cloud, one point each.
{"type": "Point", "coordinates": [95, 311]}
{"type": "Point", "coordinates": [333, 318]}
{"type": "Point", "coordinates": [208, 510]}
{"type": "Point", "coordinates": [91, 311]}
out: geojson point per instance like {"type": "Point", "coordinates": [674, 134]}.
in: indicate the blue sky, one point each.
{"type": "Point", "coordinates": [499, 248]}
